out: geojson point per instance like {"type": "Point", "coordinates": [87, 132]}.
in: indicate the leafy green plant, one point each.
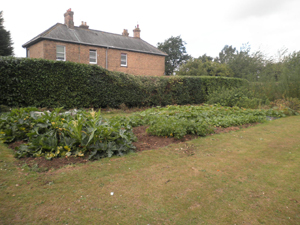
{"type": "Point", "coordinates": [241, 97]}
{"type": "Point", "coordinates": [55, 134]}
{"type": "Point", "coordinates": [178, 128]}
{"type": "Point", "coordinates": [88, 134]}
{"type": "Point", "coordinates": [15, 125]}
{"type": "Point", "coordinates": [288, 105]}
{"type": "Point", "coordinates": [283, 103]}
{"type": "Point", "coordinates": [177, 121]}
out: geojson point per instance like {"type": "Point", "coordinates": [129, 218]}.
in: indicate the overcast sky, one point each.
{"type": "Point", "coordinates": [206, 26]}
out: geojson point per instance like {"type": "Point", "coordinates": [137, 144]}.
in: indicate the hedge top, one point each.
{"type": "Point", "coordinates": [47, 83]}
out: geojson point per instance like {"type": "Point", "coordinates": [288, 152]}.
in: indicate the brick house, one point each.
{"type": "Point", "coordinates": [114, 52]}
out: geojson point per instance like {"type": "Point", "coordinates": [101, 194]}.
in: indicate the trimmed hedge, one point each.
{"type": "Point", "coordinates": [45, 83]}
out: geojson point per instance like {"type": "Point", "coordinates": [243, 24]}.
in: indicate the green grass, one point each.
{"type": "Point", "coordinates": [249, 176]}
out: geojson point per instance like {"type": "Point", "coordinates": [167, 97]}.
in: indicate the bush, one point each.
{"type": "Point", "coordinates": [241, 97]}
{"type": "Point", "coordinates": [46, 83]}
{"type": "Point", "coordinates": [280, 79]}
{"type": "Point", "coordinates": [288, 105]}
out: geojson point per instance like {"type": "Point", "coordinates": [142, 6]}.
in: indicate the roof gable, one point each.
{"type": "Point", "coordinates": [60, 32]}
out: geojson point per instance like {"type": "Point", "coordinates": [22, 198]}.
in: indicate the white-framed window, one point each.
{"type": "Point", "coordinates": [93, 56]}
{"type": "Point", "coordinates": [60, 53]}
{"type": "Point", "coordinates": [123, 59]}
{"type": "Point", "coordinates": [28, 53]}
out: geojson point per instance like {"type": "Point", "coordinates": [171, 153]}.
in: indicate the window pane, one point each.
{"type": "Point", "coordinates": [93, 56]}
{"type": "Point", "coordinates": [60, 56]}
{"type": "Point", "coordinates": [123, 59]}
{"type": "Point", "coordinates": [60, 49]}
{"type": "Point", "coordinates": [60, 53]}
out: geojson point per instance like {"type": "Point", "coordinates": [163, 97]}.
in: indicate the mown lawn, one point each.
{"type": "Point", "coordinates": [250, 176]}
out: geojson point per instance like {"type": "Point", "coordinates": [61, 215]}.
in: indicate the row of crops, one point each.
{"type": "Point", "coordinates": [177, 121]}
{"type": "Point", "coordinates": [87, 134]}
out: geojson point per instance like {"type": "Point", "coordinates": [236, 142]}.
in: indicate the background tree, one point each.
{"type": "Point", "coordinates": [205, 58]}
{"type": "Point", "coordinates": [6, 48]}
{"type": "Point", "coordinates": [201, 67]}
{"type": "Point", "coordinates": [226, 54]}
{"type": "Point", "coordinates": [273, 68]}
{"type": "Point", "coordinates": [289, 79]}
{"type": "Point", "coordinates": [242, 63]}
{"type": "Point", "coordinates": [175, 48]}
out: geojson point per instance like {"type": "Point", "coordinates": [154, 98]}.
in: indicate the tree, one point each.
{"type": "Point", "coordinates": [205, 58]}
{"type": "Point", "coordinates": [198, 67]}
{"type": "Point", "coordinates": [242, 63]}
{"type": "Point", "coordinates": [226, 54]}
{"type": "Point", "coordinates": [6, 48]}
{"type": "Point", "coordinates": [174, 47]}
{"type": "Point", "coordinates": [290, 77]}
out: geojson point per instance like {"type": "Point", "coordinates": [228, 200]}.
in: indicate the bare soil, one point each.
{"type": "Point", "coordinates": [145, 142]}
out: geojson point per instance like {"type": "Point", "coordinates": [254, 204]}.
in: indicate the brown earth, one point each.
{"type": "Point", "coordinates": [145, 142]}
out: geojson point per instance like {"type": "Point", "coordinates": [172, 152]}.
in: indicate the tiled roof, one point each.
{"type": "Point", "coordinates": [60, 32]}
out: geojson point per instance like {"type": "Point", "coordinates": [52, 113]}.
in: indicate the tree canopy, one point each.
{"type": "Point", "coordinates": [242, 63]}
{"type": "Point", "coordinates": [201, 67]}
{"type": "Point", "coordinates": [175, 48]}
{"type": "Point", "coordinates": [6, 48]}
{"type": "Point", "coordinates": [226, 54]}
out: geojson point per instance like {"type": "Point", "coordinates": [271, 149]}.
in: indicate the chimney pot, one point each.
{"type": "Point", "coordinates": [136, 32]}
{"type": "Point", "coordinates": [125, 33]}
{"type": "Point", "coordinates": [83, 25]}
{"type": "Point", "coordinates": [69, 18]}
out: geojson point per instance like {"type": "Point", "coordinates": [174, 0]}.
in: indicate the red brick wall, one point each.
{"type": "Point", "coordinates": [137, 63]}
{"type": "Point", "coordinates": [36, 51]}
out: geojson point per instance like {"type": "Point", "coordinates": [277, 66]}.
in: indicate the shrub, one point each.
{"type": "Point", "coordinates": [46, 83]}
{"type": "Point", "coordinates": [288, 105]}
{"type": "Point", "coordinates": [241, 97]}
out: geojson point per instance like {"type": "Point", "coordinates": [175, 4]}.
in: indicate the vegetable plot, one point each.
{"type": "Point", "coordinates": [80, 133]}
{"type": "Point", "coordinates": [54, 134]}
{"type": "Point", "coordinates": [177, 121]}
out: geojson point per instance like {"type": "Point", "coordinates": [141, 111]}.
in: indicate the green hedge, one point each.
{"type": "Point", "coordinates": [45, 83]}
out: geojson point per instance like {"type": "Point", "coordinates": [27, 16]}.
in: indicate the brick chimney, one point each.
{"type": "Point", "coordinates": [83, 25]}
{"type": "Point", "coordinates": [136, 32]}
{"type": "Point", "coordinates": [125, 33]}
{"type": "Point", "coordinates": [69, 18]}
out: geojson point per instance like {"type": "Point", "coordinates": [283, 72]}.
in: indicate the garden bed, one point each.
{"type": "Point", "coordinates": [145, 142]}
